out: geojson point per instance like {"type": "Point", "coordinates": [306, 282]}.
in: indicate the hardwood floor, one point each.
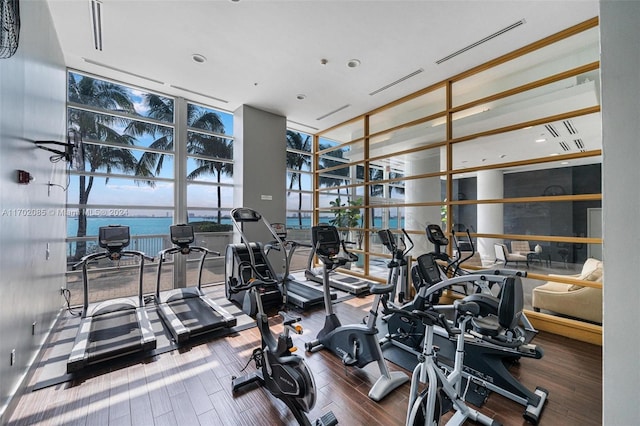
{"type": "Point", "coordinates": [193, 387]}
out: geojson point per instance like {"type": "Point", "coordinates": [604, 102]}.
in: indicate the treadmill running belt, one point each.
{"type": "Point", "coordinates": [196, 315]}
{"type": "Point", "coordinates": [345, 279]}
{"type": "Point", "coordinates": [114, 333]}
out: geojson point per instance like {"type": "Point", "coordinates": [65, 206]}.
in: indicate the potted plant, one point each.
{"type": "Point", "coordinates": [348, 216]}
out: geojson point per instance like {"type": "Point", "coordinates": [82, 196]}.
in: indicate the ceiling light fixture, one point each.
{"type": "Point", "coordinates": [198, 58]}
{"type": "Point", "coordinates": [564, 163]}
{"type": "Point", "coordinates": [353, 63]}
{"type": "Point", "coordinates": [301, 97]}
{"type": "Point", "coordinates": [540, 140]}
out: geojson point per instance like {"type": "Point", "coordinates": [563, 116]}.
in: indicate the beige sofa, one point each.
{"type": "Point", "coordinates": [571, 299]}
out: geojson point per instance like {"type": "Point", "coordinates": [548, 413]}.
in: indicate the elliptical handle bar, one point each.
{"type": "Point", "coordinates": [253, 282]}
{"type": "Point", "coordinates": [407, 250]}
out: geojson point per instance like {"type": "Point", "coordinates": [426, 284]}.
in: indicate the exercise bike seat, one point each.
{"type": "Point", "coordinates": [381, 288]}
{"type": "Point", "coordinates": [508, 313]}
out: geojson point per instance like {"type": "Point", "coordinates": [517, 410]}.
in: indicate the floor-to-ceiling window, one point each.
{"type": "Point", "coordinates": [147, 161]}
{"type": "Point", "coordinates": [509, 150]}
{"type": "Point", "coordinates": [299, 192]}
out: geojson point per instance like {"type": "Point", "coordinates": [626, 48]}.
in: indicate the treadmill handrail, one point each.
{"type": "Point", "coordinates": [104, 255]}
{"type": "Point", "coordinates": [177, 249]}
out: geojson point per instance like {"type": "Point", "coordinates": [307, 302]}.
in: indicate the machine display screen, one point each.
{"type": "Point", "coordinates": [246, 215]}
{"type": "Point", "coordinates": [387, 239]}
{"type": "Point", "coordinates": [181, 234]}
{"type": "Point", "coordinates": [113, 236]}
{"type": "Point", "coordinates": [326, 240]}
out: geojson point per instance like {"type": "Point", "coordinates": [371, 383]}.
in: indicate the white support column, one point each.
{"type": "Point", "coordinates": [490, 216]}
{"type": "Point", "coordinates": [422, 190]}
{"type": "Point", "coordinates": [180, 211]}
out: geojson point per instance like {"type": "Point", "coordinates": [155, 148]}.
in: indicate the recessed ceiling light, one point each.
{"type": "Point", "coordinates": [198, 58]}
{"type": "Point", "coordinates": [541, 140]}
{"type": "Point", "coordinates": [301, 97]}
{"type": "Point", "coordinates": [554, 154]}
{"type": "Point", "coordinates": [564, 163]}
{"type": "Point", "coordinates": [353, 63]}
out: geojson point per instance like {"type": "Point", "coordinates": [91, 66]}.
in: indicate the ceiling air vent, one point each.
{"type": "Point", "coordinates": [96, 23]}
{"type": "Point", "coordinates": [552, 130]}
{"type": "Point", "coordinates": [579, 144]}
{"type": "Point", "coordinates": [569, 125]}
{"type": "Point", "coordinates": [565, 146]}
{"type": "Point", "coordinates": [322, 117]}
{"type": "Point", "coordinates": [479, 42]}
{"type": "Point", "coordinates": [393, 83]}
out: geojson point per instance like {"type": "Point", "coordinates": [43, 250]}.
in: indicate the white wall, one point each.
{"type": "Point", "coordinates": [260, 168]}
{"type": "Point", "coordinates": [620, 65]}
{"type": "Point", "coordinates": [32, 107]}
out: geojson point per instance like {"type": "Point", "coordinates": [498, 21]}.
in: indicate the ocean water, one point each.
{"type": "Point", "coordinates": [160, 225]}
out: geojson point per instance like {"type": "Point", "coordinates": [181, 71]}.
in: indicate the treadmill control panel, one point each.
{"type": "Point", "coordinates": [182, 234]}
{"type": "Point", "coordinates": [113, 237]}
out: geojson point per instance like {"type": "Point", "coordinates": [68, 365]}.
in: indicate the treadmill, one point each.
{"type": "Point", "coordinates": [188, 312]}
{"type": "Point", "coordinates": [344, 282]}
{"type": "Point", "coordinates": [299, 294]}
{"type": "Point", "coordinates": [112, 328]}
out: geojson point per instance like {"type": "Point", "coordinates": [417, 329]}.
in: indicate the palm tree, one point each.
{"type": "Point", "coordinates": [296, 161]}
{"type": "Point", "coordinates": [99, 127]}
{"type": "Point", "coordinates": [161, 109]}
{"type": "Point", "coordinates": [209, 146]}
{"type": "Point", "coordinates": [327, 162]}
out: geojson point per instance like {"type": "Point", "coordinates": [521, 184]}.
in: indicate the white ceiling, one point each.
{"type": "Point", "coordinates": [265, 53]}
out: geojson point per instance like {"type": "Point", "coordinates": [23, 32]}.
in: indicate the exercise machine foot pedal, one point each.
{"type": "Point", "coordinates": [328, 419]}
{"type": "Point", "coordinates": [533, 412]}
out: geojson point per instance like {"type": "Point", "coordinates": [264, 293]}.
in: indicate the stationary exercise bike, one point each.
{"type": "Point", "coordinates": [444, 390]}
{"type": "Point", "coordinates": [491, 345]}
{"type": "Point", "coordinates": [285, 375]}
{"type": "Point", "coordinates": [355, 344]}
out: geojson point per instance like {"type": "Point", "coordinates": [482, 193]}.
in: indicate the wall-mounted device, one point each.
{"type": "Point", "coordinates": [70, 151]}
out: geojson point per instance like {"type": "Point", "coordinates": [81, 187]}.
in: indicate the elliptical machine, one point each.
{"type": "Point", "coordinates": [355, 344]}
{"type": "Point", "coordinates": [237, 273]}
{"type": "Point", "coordinates": [286, 376]}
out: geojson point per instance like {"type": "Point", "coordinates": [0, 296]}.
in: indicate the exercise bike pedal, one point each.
{"type": "Point", "coordinates": [328, 419]}
{"type": "Point", "coordinates": [348, 360]}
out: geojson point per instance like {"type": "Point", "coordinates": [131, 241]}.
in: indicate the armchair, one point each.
{"type": "Point", "coordinates": [503, 255]}
{"type": "Point", "coordinates": [570, 299]}
{"type": "Point", "coordinates": [520, 247]}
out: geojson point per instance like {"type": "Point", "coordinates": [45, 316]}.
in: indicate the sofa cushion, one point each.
{"type": "Point", "coordinates": [591, 271]}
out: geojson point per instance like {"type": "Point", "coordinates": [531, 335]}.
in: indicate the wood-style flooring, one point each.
{"type": "Point", "coordinates": [193, 387]}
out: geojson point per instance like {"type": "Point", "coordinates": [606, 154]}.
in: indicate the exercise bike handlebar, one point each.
{"type": "Point", "coordinates": [433, 316]}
